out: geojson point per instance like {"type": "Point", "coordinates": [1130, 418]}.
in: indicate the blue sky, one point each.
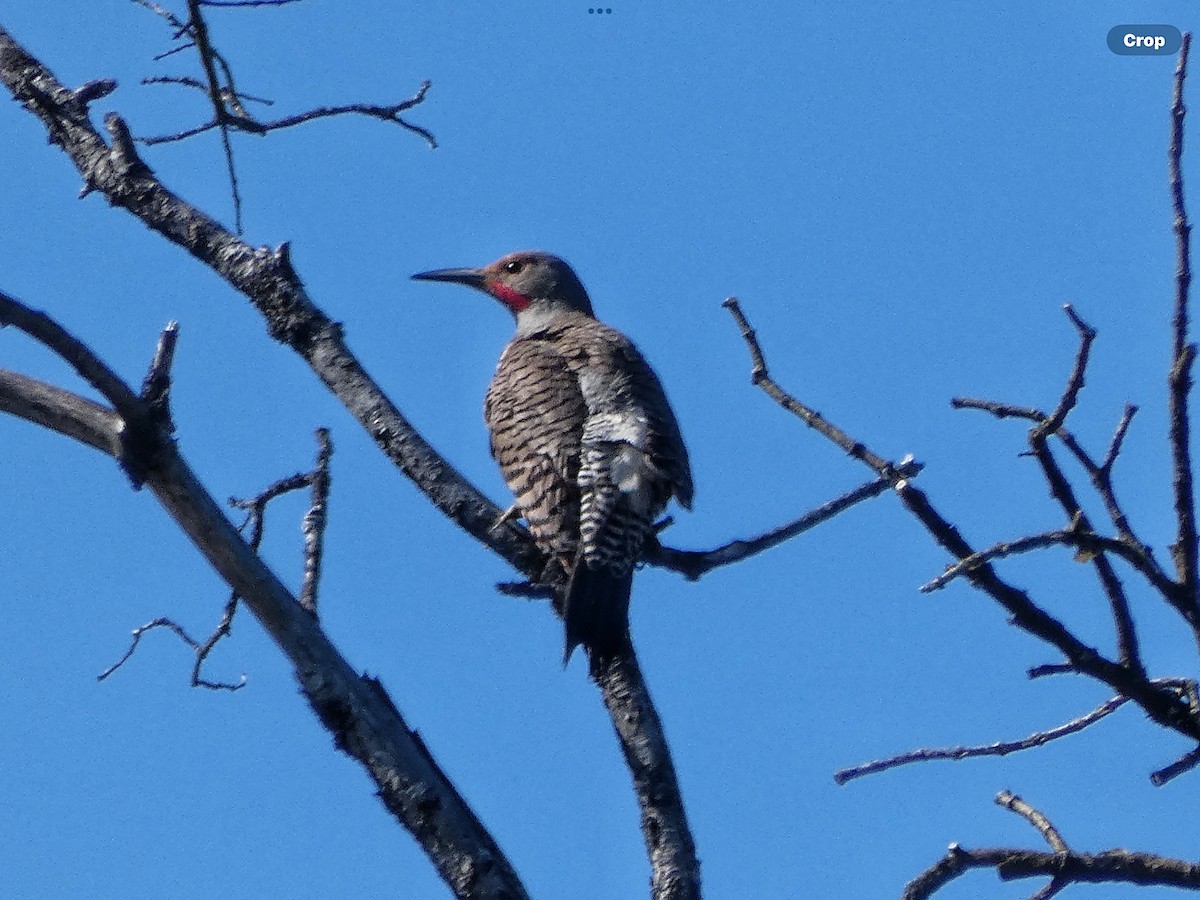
{"type": "Point", "coordinates": [902, 195]}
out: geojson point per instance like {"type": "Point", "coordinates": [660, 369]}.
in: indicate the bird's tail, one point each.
{"type": "Point", "coordinates": [596, 612]}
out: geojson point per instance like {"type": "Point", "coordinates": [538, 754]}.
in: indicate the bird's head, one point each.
{"type": "Point", "coordinates": [528, 280]}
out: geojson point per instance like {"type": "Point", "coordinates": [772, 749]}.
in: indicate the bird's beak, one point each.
{"type": "Point", "coordinates": [470, 277]}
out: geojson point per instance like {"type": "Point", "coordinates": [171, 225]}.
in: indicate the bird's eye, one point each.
{"type": "Point", "coordinates": [513, 266]}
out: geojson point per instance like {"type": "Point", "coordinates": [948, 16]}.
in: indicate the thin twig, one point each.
{"type": "Point", "coordinates": [1128, 651]}
{"type": "Point", "coordinates": [361, 718]}
{"type": "Point", "coordinates": [695, 563]}
{"type": "Point", "coordinates": [159, 57]}
{"type": "Point", "coordinates": [1085, 542]}
{"type": "Point", "coordinates": [223, 630]}
{"type": "Point", "coordinates": [220, 95]}
{"type": "Point", "coordinates": [1034, 817]}
{"type": "Point", "coordinates": [813, 419]}
{"type": "Point", "coordinates": [1185, 763]}
{"type": "Point", "coordinates": [257, 504]}
{"type": "Point", "coordinates": [201, 650]}
{"type": "Point", "coordinates": [226, 100]}
{"type": "Point", "coordinates": [1114, 447]}
{"type": "Point", "coordinates": [1102, 476]}
{"type": "Point", "coordinates": [1000, 551]}
{"type": "Point", "coordinates": [180, 135]}
{"type": "Point", "coordinates": [230, 3]}
{"type": "Point", "coordinates": [1127, 544]}
{"type": "Point", "coordinates": [1100, 473]}
{"type": "Point", "coordinates": [999, 410]}
{"type": "Point", "coordinates": [1046, 829]}
{"type": "Point", "coordinates": [1062, 491]}
{"type": "Point", "coordinates": [1070, 394]}
{"type": "Point", "coordinates": [187, 81]}
{"type": "Point", "coordinates": [1047, 669]}
{"type": "Point", "coordinates": [1161, 704]}
{"type": "Point", "coordinates": [387, 113]}
{"type": "Point", "coordinates": [314, 523]}
{"type": "Point", "coordinates": [174, 21]}
{"type": "Point", "coordinates": [999, 748]}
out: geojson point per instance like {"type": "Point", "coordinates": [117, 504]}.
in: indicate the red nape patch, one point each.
{"type": "Point", "coordinates": [510, 298]}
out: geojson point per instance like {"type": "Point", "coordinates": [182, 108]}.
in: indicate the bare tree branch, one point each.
{"type": "Point", "coordinates": [813, 419]}
{"type": "Point", "coordinates": [1070, 395]}
{"type": "Point", "coordinates": [1101, 476]}
{"type": "Point", "coordinates": [1114, 447]}
{"type": "Point", "coordinates": [187, 81]}
{"type": "Point", "coordinates": [1186, 688]}
{"type": "Point", "coordinates": [361, 717]}
{"type": "Point", "coordinates": [386, 112]}
{"type": "Point", "coordinates": [1061, 865]}
{"type": "Point", "coordinates": [201, 650]}
{"type": "Point", "coordinates": [226, 100]}
{"type": "Point", "coordinates": [1060, 488]}
{"type": "Point", "coordinates": [675, 869]}
{"type": "Point", "coordinates": [268, 279]}
{"type": "Point", "coordinates": [69, 414]}
{"type": "Point", "coordinates": [1179, 381]}
{"type": "Point", "coordinates": [314, 523]}
{"type": "Point", "coordinates": [220, 3]}
{"type": "Point", "coordinates": [1126, 544]}
{"type": "Point", "coordinates": [222, 98]}
{"type": "Point", "coordinates": [1126, 678]}
{"type": "Point", "coordinates": [1085, 542]}
{"type": "Point", "coordinates": [695, 563]}
{"type": "Point", "coordinates": [999, 748]}
{"type": "Point", "coordinates": [1011, 801]}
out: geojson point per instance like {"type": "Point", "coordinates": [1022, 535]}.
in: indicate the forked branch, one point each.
{"type": "Point", "coordinates": [363, 720]}
{"type": "Point", "coordinates": [317, 480]}
{"type": "Point", "coordinates": [1124, 676]}
{"type": "Point", "coordinates": [267, 278]}
{"type": "Point", "coordinates": [229, 111]}
{"type": "Point", "coordinates": [1062, 865]}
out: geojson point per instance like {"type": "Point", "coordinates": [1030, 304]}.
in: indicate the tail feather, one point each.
{"type": "Point", "coordinates": [596, 611]}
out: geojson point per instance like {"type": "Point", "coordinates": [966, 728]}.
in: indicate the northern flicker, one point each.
{"type": "Point", "coordinates": [584, 437]}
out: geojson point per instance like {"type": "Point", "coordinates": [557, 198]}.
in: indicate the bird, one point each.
{"type": "Point", "coordinates": [584, 437]}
